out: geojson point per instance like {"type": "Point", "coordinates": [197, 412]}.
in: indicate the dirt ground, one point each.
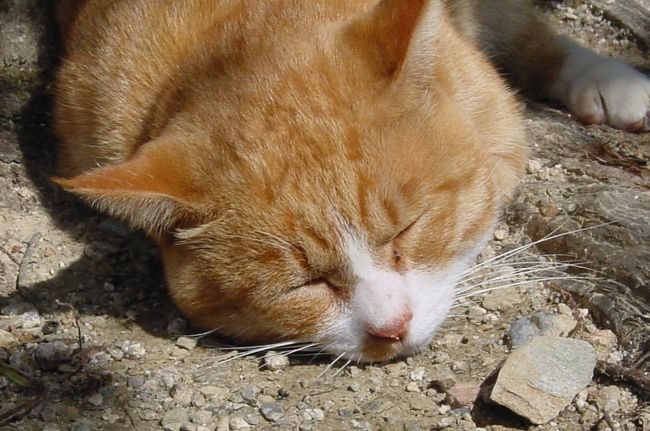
{"type": "Point", "coordinates": [66, 271]}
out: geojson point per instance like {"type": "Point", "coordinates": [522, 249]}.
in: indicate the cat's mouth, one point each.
{"type": "Point", "coordinates": [381, 349]}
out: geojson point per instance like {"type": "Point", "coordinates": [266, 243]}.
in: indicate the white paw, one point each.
{"type": "Point", "coordinates": [601, 90]}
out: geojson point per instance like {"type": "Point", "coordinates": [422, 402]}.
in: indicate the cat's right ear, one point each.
{"type": "Point", "coordinates": [155, 189]}
{"type": "Point", "coordinates": [398, 36]}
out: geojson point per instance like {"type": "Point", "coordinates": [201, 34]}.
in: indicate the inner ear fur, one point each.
{"type": "Point", "coordinates": [397, 36]}
{"type": "Point", "coordinates": [155, 189]}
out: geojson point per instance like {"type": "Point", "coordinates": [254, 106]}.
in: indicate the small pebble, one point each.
{"type": "Point", "coordinates": [7, 339]}
{"type": "Point", "coordinates": [417, 375]}
{"type": "Point", "coordinates": [96, 399]}
{"type": "Point", "coordinates": [133, 350]}
{"type": "Point", "coordinates": [48, 414]}
{"type": "Point", "coordinates": [249, 393]}
{"type": "Point", "coordinates": [275, 361]}
{"type": "Point", "coordinates": [272, 411]}
{"type": "Point", "coordinates": [500, 234]}
{"type": "Point", "coordinates": [135, 381]}
{"type": "Point", "coordinates": [412, 387]}
{"type": "Point", "coordinates": [462, 394]}
{"type": "Point", "coordinates": [188, 343]}
{"type": "Point", "coordinates": [238, 423]}
{"type": "Point", "coordinates": [541, 323]}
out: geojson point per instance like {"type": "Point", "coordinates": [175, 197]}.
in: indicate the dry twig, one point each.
{"type": "Point", "coordinates": [625, 374]}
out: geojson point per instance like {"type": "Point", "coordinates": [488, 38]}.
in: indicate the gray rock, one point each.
{"type": "Point", "coordinates": [49, 356]}
{"type": "Point", "coordinates": [173, 419]}
{"type": "Point", "coordinates": [541, 378]}
{"type": "Point", "coordinates": [275, 361]}
{"type": "Point", "coordinates": [537, 324]}
{"type": "Point", "coordinates": [272, 412]}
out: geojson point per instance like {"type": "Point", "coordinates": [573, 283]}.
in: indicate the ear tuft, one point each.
{"type": "Point", "coordinates": [153, 190]}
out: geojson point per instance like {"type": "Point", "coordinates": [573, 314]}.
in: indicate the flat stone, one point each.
{"type": "Point", "coordinates": [539, 379]}
{"type": "Point", "coordinates": [541, 323]}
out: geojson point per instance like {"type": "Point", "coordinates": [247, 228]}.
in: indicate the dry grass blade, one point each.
{"type": "Point", "coordinates": [15, 376]}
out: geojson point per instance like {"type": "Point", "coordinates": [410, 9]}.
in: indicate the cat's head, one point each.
{"type": "Point", "coordinates": [327, 188]}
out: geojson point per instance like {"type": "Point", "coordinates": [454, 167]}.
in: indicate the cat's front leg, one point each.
{"type": "Point", "coordinates": [601, 90]}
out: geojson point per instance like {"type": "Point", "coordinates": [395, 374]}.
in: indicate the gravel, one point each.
{"type": "Point", "coordinates": [139, 368]}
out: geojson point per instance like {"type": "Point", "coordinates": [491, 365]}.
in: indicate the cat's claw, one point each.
{"type": "Point", "coordinates": [600, 90]}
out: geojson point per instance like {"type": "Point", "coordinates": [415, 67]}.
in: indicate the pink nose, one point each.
{"type": "Point", "coordinates": [393, 331]}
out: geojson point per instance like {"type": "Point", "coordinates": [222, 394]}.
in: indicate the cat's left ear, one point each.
{"type": "Point", "coordinates": [398, 36]}
{"type": "Point", "coordinates": [155, 189]}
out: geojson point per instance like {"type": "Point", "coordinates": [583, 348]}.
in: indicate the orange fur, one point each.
{"type": "Point", "coordinates": [240, 133]}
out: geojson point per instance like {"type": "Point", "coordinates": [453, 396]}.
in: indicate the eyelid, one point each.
{"type": "Point", "coordinates": [408, 227]}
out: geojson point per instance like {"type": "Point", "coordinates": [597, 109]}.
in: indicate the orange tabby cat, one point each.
{"type": "Point", "coordinates": [318, 170]}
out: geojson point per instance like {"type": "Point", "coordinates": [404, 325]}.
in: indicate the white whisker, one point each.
{"type": "Point", "coordinates": [329, 367]}
{"type": "Point", "coordinates": [515, 275]}
{"type": "Point", "coordinates": [520, 249]}
{"type": "Point", "coordinates": [253, 351]}
{"type": "Point", "coordinates": [340, 370]}
{"type": "Point", "coordinates": [480, 292]}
